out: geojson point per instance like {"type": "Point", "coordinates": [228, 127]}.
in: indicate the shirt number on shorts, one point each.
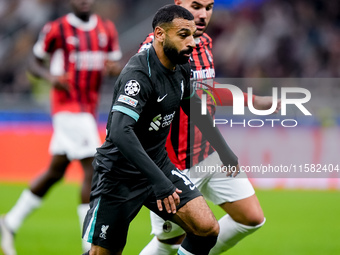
{"type": "Point", "coordinates": [184, 178]}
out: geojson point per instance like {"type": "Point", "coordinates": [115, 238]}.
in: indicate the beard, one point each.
{"type": "Point", "coordinates": [175, 56]}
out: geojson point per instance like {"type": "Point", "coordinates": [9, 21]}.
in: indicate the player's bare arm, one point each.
{"type": "Point", "coordinates": [265, 102]}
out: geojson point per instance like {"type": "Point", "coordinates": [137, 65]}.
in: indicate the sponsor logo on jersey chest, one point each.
{"type": "Point", "coordinates": [160, 121]}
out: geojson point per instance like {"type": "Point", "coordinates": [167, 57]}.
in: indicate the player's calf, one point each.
{"type": "Point", "coordinates": [201, 226]}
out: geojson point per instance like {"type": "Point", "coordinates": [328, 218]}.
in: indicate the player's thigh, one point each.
{"type": "Point", "coordinates": [196, 217]}
{"type": "Point", "coordinates": [189, 194]}
{"type": "Point", "coordinates": [246, 211]}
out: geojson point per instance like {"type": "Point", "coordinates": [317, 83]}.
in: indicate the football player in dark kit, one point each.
{"type": "Point", "coordinates": [131, 168]}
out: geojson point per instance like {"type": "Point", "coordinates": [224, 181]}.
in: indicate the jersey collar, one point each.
{"type": "Point", "coordinates": [80, 24]}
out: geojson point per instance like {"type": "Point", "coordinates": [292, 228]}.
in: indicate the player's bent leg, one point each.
{"type": "Point", "coordinates": [246, 211]}
{"type": "Point", "coordinates": [231, 233]}
{"type": "Point", "coordinates": [54, 173]}
{"type": "Point", "coordinates": [202, 228]}
{"type": "Point", "coordinates": [244, 217]}
{"type": "Point", "coordinates": [26, 203]}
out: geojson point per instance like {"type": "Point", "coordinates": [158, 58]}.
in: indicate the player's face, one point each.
{"type": "Point", "coordinates": [179, 41]}
{"type": "Point", "coordinates": [82, 8]}
{"type": "Point", "coordinates": [202, 11]}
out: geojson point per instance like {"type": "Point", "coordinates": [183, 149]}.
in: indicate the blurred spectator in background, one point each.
{"type": "Point", "coordinates": [20, 22]}
{"type": "Point", "coordinates": [291, 38]}
{"type": "Point", "coordinates": [80, 47]}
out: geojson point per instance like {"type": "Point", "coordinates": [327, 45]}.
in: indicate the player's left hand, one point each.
{"type": "Point", "coordinates": [170, 202]}
{"type": "Point", "coordinates": [265, 102]}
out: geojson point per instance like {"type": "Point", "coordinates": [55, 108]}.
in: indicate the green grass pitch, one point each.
{"type": "Point", "coordinates": [298, 223]}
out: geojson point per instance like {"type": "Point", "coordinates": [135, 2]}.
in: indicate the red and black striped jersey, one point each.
{"type": "Point", "coordinates": [78, 52]}
{"type": "Point", "coordinates": [186, 145]}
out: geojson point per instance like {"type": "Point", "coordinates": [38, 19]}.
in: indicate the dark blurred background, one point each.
{"type": "Point", "coordinates": [258, 38]}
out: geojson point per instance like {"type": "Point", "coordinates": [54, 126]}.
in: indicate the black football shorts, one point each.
{"type": "Point", "coordinates": [107, 222]}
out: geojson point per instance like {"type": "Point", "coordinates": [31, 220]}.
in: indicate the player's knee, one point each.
{"type": "Point", "coordinates": [214, 230]}
{"type": "Point", "coordinates": [251, 217]}
{"type": "Point", "coordinates": [254, 219]}
{"type": "Point", "coordinates": [210, 228]}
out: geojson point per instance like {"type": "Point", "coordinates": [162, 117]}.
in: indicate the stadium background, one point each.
{"type": "Point", "coordinates": [281, 39]}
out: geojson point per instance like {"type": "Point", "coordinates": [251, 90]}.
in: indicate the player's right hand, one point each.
{"type": "Point", "coordinates": [232, 171]}
{"type": "Point", "coordinates": [170, 202]}
{"type": "Point", "coordinates": [60, 82]}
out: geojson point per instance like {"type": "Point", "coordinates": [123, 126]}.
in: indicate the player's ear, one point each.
{"type": "Point", "coordinates": [178, 2]}
{"type": "Point", "coordinates": [159, 34]}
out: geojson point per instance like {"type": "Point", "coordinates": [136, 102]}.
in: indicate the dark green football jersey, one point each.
{"type": "Point", "coordinates": [150, 94]}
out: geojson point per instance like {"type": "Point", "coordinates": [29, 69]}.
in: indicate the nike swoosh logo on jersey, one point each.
{"type": "Point", "coordinates": [161, 99]}
{"type": "Point", "coordinates": [192, 187]}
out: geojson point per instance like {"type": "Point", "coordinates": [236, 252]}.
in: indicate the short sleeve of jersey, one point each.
{"type": "Point", "coordinates": [49, 40]}
{"type": "Point", "coordinates": [115, 53]}
{"type": "Point", "coordinates": [132, 94]}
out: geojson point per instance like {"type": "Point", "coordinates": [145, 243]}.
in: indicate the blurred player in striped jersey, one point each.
{"type": "Point", "coordinates": [83, 47]}
{"type": "Point", "coordinates": [187, 148]}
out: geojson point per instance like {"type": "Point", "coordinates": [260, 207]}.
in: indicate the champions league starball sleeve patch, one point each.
{"type": "Point", "coordinates": [132, 88]}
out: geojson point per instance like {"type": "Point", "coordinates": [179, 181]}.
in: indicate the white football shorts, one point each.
{"type": "Point", "coordinates": [214, 185]}
{"type": "Point", "coordinates": [75, 135]}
